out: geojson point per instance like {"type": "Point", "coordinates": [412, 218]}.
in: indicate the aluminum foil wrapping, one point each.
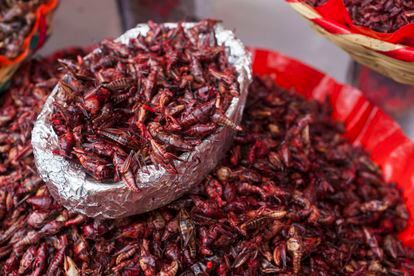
{"type": "Point", "coordinates": [77, 191]}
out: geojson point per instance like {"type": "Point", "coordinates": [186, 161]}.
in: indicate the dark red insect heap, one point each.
{"type": "Point", "coordinates": [383, 16]}
{"type": "Point", "coordinates": [146, 103]}
{"type": "Point", "coordinates": [292, 197]}
{"type": "Point", "coordinates": [16, 21]}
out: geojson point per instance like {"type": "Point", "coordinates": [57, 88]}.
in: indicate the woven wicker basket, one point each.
{"type": "Point", "coordinates": [393, 60]}
{"type": "Point", "coordinates": [34, 40]}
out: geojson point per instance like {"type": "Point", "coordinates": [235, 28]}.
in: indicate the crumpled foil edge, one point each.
{"type": "Point", "coordinates": [74, 189]}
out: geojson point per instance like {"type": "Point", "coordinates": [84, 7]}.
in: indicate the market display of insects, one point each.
{"type": "Point", "coordinates": [16, 21]}
{"type": "Point", "coordinates": [384, 16]}
{"type": "Point", "coordinates": [148, 102]}
{"type": "Point", "coordinates": [292, 197]}
{"type": "Point", "coordinates": [381, 15]}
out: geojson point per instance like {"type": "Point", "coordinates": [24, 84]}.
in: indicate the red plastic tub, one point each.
{"type": "Point", "coordinates": [365, 124]}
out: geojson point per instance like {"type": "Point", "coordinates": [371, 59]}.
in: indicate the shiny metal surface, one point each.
{"type": "Point", "coordinates": [77, 191]}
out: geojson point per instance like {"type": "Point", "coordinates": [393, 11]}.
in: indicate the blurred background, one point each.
{"type": "Point", "coordinates": [261, 23]}
{"type": "Point", "coordinates": [268, 24]}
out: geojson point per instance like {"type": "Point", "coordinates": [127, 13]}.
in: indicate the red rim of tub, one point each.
{"type": "Point", "coordinates": [365, 124]}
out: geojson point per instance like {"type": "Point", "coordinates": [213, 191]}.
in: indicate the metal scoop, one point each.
{"type": "Point", "coordinates": [74, 189]}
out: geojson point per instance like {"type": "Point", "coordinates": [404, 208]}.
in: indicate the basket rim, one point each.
{"type": "Point", "coordinates": [42, 10]}
{"type": "Point", "coordinates": [392, 50]}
